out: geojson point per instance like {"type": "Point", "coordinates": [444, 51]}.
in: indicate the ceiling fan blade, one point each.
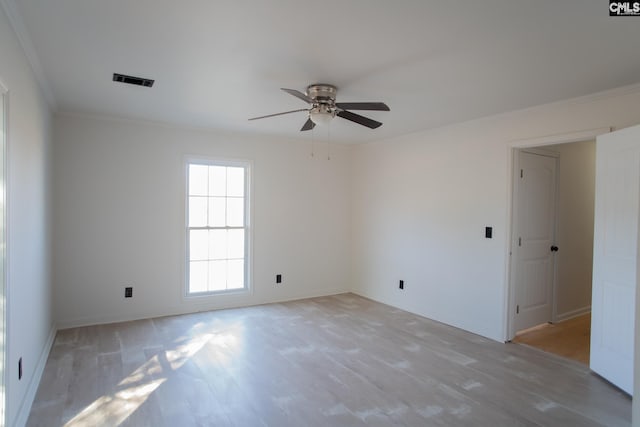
{"type": "Point", "coordinates": [308, 125]}
{"type": "Point", "coordinates": [375, 106]}
{"type": "Point", "coordinates": [298, 94]}
{"type": "Point", "coordinates": [361, 120]}
{"type": "Point", "coordinates": [278, 114]}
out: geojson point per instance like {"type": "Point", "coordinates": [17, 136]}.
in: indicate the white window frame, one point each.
{"type": "Point", "coordinates": [247, 165]}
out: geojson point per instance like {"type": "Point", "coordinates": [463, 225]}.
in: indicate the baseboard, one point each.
{"type": "Point", "coordinates": [192, 308]}
{"type": "Point", "coordinates": [412, 310]}
{"type": "Point", "coordinates": [573, 313]}
{"type": "Point", "coordinates": [32, 389]}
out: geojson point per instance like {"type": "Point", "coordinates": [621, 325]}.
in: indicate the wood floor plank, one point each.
{"type": "Point", "coordinates": [570, 338]}
{"type": "Point", "coordinates": [340, 360]}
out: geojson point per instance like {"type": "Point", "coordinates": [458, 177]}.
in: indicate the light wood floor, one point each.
{"type": "Point", "coordinates": [333, 361]}
{"type": "Point", "coordinates": [569, 339]}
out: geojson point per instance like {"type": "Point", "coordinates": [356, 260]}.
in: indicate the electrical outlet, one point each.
{"type": "Point", "coordinates": [278, 278]}
{"type": "Point", "coordinates": [20, 368]}
{"type": "Point", "coordinates": [401, 285]}
{"type": "Point", "coordinates": [128, 292]}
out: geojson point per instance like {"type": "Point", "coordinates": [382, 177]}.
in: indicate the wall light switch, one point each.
{"type": "Point", "coordinates": [488, 232]}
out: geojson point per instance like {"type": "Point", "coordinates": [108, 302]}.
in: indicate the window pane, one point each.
{"type": "Point", "coordinates": [236, 244]}
{"type": "Point", "coordinates": [215, 227]}
{"type": "Point", "coordinates": [198, 245]}
{"type": "Point", "coordinates": [235, 274]}
{"type": "Point", "coordinates": [217, 275]}
{"type": "Point", "coordinates": [198, 180]}
{"type": "Point", "coordinates": [217, 181]}
{"type": "Point", "coordinates": [198, 276]}
{"type": "Point", "coordinates": [235, 182]}
{"type": "Point", "coordinates": [197, 211]}
{"type": "Point", "coordinates": [235, 212]}
{"type": "Point", "coordinates": [217, 211]}
{"type": "Point", "coordinates": [217, 244]}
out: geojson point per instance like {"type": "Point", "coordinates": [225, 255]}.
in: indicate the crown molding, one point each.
{"type": "Point", "coordinates": [15, 19]}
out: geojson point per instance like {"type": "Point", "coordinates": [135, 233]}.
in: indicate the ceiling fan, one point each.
{"type": "Point", "coordinates": [322, 99]}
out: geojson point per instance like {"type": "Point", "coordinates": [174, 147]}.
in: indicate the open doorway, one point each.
{"type": "Point", "coordinates": [554, 190]}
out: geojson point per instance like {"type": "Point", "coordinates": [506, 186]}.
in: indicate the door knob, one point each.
{"type": "Point", "coordinates": [554, 248]}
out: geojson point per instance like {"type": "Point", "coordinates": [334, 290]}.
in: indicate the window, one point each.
{"type": "Point", "coordinates": [217, 227]}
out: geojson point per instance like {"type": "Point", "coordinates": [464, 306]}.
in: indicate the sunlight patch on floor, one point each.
{"type": "Point", "coordinates": [114, 409]}
{"type": "Point", "coordinates": [136, 388]}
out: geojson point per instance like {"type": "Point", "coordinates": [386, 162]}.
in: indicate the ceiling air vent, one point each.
{"type": "Point", "coordinates": [138, 81]}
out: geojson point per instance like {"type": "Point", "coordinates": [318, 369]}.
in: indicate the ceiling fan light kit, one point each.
{"type": "Point", "coordinates": [322, 98]}
{"type": "Point", "coordinates": [322, 115]}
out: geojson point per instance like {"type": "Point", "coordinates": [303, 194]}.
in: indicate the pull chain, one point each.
{"type": "Point", "coordinates": [329, 141]}
{"type": "Point", "coordinates": [312, 141]}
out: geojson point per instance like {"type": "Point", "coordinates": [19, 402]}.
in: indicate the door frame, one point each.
{"type": "Point", "coordinates": [531, 145]}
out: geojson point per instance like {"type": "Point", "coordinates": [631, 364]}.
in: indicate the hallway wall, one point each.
{"type": "Point", "coordinates": [574, 231]}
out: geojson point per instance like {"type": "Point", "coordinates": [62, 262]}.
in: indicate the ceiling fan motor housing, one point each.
{"type": "Point", "coordinates": [322, 93]}
{"type": "Point", "coordinates": [324, 102]}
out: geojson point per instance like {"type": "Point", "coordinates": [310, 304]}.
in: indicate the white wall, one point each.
{"type": "Point", "coordinates": [576, 197]}
{"type": "Point", "coordinates": [118, 216]}
{"type": "Point", "coordinates": [421, 203]}
{"type": "Point", "coordinates": [28, 301]}
{"type": "Point", "coordinates": [635, 416]}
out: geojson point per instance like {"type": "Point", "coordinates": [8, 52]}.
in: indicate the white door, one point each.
{"type": "Point", "coordinates": [534, 239]}
{"type": "Point", "coordinates": [3, 245]}
{"type": "Point", "coordinates": [615, 246]}
{"type": "Point", "coordinates": [3, 192]}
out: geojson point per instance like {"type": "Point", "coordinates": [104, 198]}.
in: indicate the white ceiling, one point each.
{"type": "Point", "coordinates": [219, 62]}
